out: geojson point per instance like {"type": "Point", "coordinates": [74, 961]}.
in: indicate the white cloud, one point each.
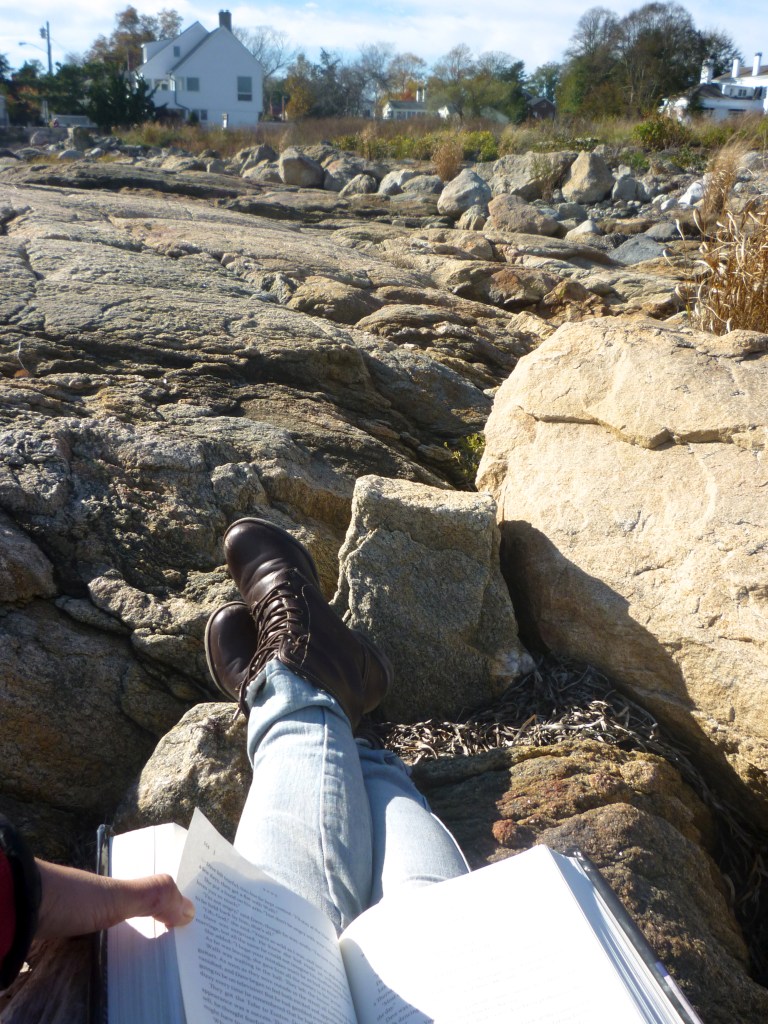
{"type": "Point", "coordinates": [530, 31]}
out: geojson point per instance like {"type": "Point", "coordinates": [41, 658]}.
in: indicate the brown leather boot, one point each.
{"type": "Point", "coordinates": [278, 581]}
{"type": "Point", "coordinates": [231, 641]}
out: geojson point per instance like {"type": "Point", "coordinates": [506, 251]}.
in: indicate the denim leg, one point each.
{"type": "Point", "coordinates": [411, 847]}
{"type": "Point", "coordinates": [306, 820]}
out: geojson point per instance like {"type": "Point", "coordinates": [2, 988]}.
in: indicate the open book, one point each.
{"type": "Point", "coordinates": [538, 938]}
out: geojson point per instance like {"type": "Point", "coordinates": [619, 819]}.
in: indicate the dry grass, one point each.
{"type": "Point", "coordinates": [732, 292]}
{"type": "Point", "coordinates": [448, 157]}
{"type": "Point", "coordinates": [722, 175]}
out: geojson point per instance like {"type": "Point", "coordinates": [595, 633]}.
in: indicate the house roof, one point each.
{"type": "Point", "coordinates": [406, 104]}
{"type": "Point", "coordinates": [746, 72]}
{"type": "Point", "coordinates": [207, 39]}
{"type": "Point", "coordinates": [707, 89]}
{"type": "Point", "coordinates": [183, 59]}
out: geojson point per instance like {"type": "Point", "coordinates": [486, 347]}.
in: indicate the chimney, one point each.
{"type": "Point", "coordinates": [736, 70]}
{"type": "Point", "coordinates": [756, 64]}
{"type": "Point", "coordinates": [707, 71]}
{"type": "Point", "coordinates": [225, 20]}
{"type": "Point", "coordinates": [420, 94]}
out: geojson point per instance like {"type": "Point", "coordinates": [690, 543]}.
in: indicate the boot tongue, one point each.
{"type": "Point", "coordinates": [291, 580]}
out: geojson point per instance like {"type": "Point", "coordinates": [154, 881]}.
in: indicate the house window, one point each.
{"type": "Point", "coordinates": [177, 51]}
{"type": "Point", "coordinates": [193, 84]}
{"type": "Point", "coordinates": [244, 88]}
{"type": "Point", "coordinates": [161, 83]}
{"type": "Point", "coordinates": [202, 114]}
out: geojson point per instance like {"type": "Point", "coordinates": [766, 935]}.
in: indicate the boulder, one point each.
{"type": "Point", "coordinates": [625, 458]}
{"type": "Point", "coordinates": [409, 550]}
{"type": "Point", "coordinates": [253, 155]}
{"type": "Point", "coordinates": [663, 231]}
{"type": "Point", "coordinates": [625, 188]}
{"type": "Point", "coordinates": [511, 213]}
{"type": "Point", "coordinates": [529, 175]}
{"type": "Point", "coordinates": [296, 168]}
{"type": "Point", "coordinates": [467, 189]}
{"type": "Point", "coordinates": [80, 138]}
{"type": "Point", "coordinates": [473, 219]}
{"type": "Point", "coordinates": [392, 183]}
{"type": "Point", "coordinates": [584, 230]}
{"type": "Point", "coordinates": [571, 211]}
{"type": "Point", "coordinates": [638, 249]}
{"type": "Point", "coordinates": [361, 184]}
{"type": "Point", "coordinates": [424, 184]}
{"type": "Point", "coordinates": [692, 195]}
{"type": "Point", "coordinates": [589, 179]}
{"type": "Point", "coordinates": [340, 172]}
{"type": "Point", "coordinates": [180, 162]}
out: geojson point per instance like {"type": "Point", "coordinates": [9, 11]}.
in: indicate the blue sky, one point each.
{"type": "Point", "coordinates": [534, 31]}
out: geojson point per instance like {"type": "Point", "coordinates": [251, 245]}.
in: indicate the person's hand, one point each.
{"type": "Point", "coordinates": [77, 902]}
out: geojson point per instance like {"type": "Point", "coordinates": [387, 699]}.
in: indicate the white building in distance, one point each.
{"type": "Point", "coordinates": [207, 76]}
{"type": "Point", "coordinates": [743, 91]}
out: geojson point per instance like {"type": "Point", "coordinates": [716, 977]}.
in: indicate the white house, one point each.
{"type": "Point", "coordinates": [722, 96]}
{"type": "Point", "coordinates": [210, 75]}
{"type": "Point", "coordinates": [405, 110]}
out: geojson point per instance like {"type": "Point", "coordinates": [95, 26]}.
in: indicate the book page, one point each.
{"type": "Point", "coordinates": [506, 943]}
{"type": "Point", "coordinates": [255, 953]}
{"type": "Point", "coordinates": [142, 977]}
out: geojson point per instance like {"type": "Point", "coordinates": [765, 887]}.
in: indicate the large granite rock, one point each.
{"type": "Point", "coordinates": [419, 574]}
{"type": "Point", "coordinates": [528, 175]}
{"type": "Point", "coordinates": [466, 190]}
{"type": "Point", "coordinates": [627, 462]}
{"type": "Point", "coordinates": [513, 214]}
{"type": "Point", "coordinates": [589, 179]}
{"type": "Point", "coordinates": [296, 168]}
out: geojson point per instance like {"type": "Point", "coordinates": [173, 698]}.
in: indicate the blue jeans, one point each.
{"type": "Point", "coordinates": [327, 816]}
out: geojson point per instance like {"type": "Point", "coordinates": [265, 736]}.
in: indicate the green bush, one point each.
{"type": "Point", "coordinates": [479, 145]}
{"type": "Point", "coordinates": [467, 452]}
{"type": "Point", "coordinates": [659, 132]}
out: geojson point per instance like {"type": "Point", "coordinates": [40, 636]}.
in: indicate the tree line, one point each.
{"type": "Point", "coordinates": [612, 66]}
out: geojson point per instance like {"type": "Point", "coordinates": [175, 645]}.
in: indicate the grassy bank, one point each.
{"type": "Point", "coordinates": [479, 141]}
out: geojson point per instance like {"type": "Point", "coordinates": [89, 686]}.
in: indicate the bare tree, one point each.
{"type": "Point", "coordinates": [404, 69]}
{"type": "Point", "coordinates": [269, 46]}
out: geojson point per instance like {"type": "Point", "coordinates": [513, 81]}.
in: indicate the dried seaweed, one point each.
{"type": "Point", "coordinates": [561, 700]}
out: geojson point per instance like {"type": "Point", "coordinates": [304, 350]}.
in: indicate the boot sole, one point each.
{"type": "Point", "coordinates": [282, 533]}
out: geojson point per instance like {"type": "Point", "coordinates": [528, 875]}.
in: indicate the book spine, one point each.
{"type": "Point", "coordinates": [98, 1010]}
{"type": "Point", "coordinates": [655, 966]}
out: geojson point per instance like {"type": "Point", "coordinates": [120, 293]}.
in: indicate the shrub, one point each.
{"type": "Point", "coordinates": [723, 173]}
{"type": "Point", "coordinates": [547, 171]}
{"type": "Point", "coordinates": [448, 157]}
{"type": "Point", "coordinates": [659, 132]}
{"type": "Point", "coordinates": [467, 452]}
{"type": "Point", "coordinates": [733, 292]}
{"type": "Point", "coordinates": [479, 145]}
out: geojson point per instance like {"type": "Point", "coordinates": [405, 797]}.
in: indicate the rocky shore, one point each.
{"type": "Point", "coordinates": [323, 340]}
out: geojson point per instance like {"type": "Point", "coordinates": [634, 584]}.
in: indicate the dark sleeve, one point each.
{"type": "Point", "coordinates": [19, 899]}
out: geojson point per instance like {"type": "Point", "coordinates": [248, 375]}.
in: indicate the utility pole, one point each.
{"type": "Point", "coordinates": [45, 33]}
